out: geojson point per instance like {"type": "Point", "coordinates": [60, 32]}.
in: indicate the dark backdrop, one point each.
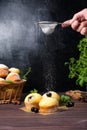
{"type": "Point", "coordinates": [23, 45]}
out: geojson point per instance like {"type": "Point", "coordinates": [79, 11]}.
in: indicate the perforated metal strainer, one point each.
{"type": "Point", "coordinates": [48, 27]}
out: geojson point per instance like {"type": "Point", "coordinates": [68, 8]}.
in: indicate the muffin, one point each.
{"type": "Point", "coordinates": [2, 80]}
{"type": "Point", "coordinates": [48, 105]}
{"type": "Point", "coordinates": [32, 101]}
{"type": "Point", "coordinates": [15, 70]}
{"type": "Point", "coordinates": [52, 94]}
{"type": "Point", "coordinates": [4, 70]}
{"type": "Point", "coordinates": [13, 77]}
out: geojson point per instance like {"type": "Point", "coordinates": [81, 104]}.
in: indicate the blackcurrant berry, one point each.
{"type": "Point", "coordinates": [34, 109]}
{"type": "Point", "coordinates": [70, 104]}
{"type": "Point", "coordinates": [49, 94]}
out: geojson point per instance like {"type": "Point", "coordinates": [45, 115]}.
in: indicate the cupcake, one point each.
{"type": "Point", "coordinates": [3, 70]}
{"type": "Point", "coordinates": [31, 101]}
{"type": "Point", "coordinates": [48, 105]}
{"type": "Point", "coordinates": [52, 94]}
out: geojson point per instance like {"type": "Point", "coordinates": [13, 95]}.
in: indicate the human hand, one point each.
{"type": "Point", "coordinates": [78, 22]}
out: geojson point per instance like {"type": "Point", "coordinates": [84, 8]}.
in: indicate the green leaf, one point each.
{"type": "Point", "coordinates": [64, 99]}
{"type": "Point", "coordinates": [34, 91]}
{"type": "Point", "coordinates": [9, 81]}
{"type": "Point", "coordinates": [26, 74]}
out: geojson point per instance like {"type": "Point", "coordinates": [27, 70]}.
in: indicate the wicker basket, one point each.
{"type": "Point", "coordinates": [11, 92]}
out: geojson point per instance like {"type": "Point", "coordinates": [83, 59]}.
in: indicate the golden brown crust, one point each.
{"type": "Point", "coordinates": [4, 70]}
{"type": "Point", "coordinates": [48, 102]}
{"type": "Point", "coordinates": [13, 77]}
{"type": "Point", "coordinates": [2, 80]}
{"type": "Point", "coordinates": [48, 105]}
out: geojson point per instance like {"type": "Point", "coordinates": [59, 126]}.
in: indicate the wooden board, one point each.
{"type": "Point", "coordinates": [13, 118]}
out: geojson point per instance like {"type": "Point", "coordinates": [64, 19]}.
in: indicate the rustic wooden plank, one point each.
{"type": "Point", "coordinates": [40, 128]}
{"type": "Point", "coordinates": [12, 118]}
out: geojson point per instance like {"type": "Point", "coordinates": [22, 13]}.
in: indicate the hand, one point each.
{"type": "Point", "coordinates": [78, 22]}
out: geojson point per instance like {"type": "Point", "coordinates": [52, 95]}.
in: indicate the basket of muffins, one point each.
{"type": "Point", "coordinates": [11, 85]}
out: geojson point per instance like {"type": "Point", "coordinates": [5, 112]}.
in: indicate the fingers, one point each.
{"type": "Point", "coordinates": [75, 25]}
{"type": "Point", "coordinates": [84, 31]}
{"type": "Point", "coordinates": [66, 23]}
{"type": "Point", "coordinates": [80, 27]}
{"type": "Point", "coordinates": [78, 22]}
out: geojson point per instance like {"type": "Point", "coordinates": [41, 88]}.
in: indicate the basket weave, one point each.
{"type": "Point", "coordinates": [11, 92]}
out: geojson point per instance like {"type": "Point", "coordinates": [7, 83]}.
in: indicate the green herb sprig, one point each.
{"type": "Point", "coordinates": [34, 91]}
{"type": "Point", "coordinates": [64, 99]}
{"type": "Point", "coordinates": [24, 76]}
{"type": "Point", "coordinates": [78, 67]}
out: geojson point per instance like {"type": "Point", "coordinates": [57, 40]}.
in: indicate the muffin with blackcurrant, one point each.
{"type": "Point", "coordinates": [31, 102]}
{"type": "Point", "coordinates": [52, 94]}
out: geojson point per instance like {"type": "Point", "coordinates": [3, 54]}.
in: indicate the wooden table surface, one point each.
{"type": "Point", "coordinates": [12, 118]}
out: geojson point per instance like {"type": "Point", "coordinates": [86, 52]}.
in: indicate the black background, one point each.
{"type": "Point", "coordinates": [23, 45]}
